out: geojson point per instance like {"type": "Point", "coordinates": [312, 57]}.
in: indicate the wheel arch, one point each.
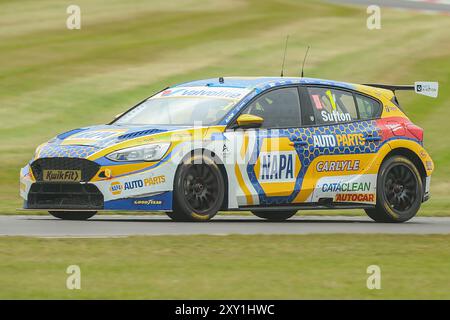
{"type": "Point", "coordinates": [412, 156]}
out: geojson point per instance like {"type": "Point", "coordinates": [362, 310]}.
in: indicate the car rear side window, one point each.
{"type": "Point", "coordinates": [280, 108]}
{"type": "Point", "coordinates": [332, 105]}
{"type": "Point", "coordinates": [368, 108]}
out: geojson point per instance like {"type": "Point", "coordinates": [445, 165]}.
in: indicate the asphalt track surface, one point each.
{"type": "Point", "coordinates": [120, 225]}
{"type": "Point", "coordinates": [419, 5]}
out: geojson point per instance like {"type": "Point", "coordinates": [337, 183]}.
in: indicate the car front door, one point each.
{"type": "Point", "coordinates": [269, 158]}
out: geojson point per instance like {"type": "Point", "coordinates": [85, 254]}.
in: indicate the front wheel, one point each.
{"type": "Point", "coordinates": [275, 215]}
{"type": "Point", "coordinates": [399, 191]}
{"type": "Point", "coordinates": [73, 215]}
{"type": "Point", "coordinates": [199, 190]}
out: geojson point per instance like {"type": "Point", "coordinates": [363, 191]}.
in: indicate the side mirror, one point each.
{"type": "Point", "coordinates": [249, 121]}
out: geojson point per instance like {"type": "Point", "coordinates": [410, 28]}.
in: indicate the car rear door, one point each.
{"type": "Point", "coordinates": [341, 151]}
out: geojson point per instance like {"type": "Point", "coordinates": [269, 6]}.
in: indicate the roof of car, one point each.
{"type": "Point", "coordinates": [260, 82]}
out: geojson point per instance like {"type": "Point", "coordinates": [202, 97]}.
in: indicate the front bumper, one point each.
{"type": "Point", "coordinates": [83, 196]}
{"type": "Point", "coordinates": [143, 187]}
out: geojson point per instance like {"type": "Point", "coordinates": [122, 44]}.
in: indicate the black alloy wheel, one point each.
{"type": "Point", "coordinates": [400, 187]}
{"type": "Point", "coordinates": [399, 191]}
{"type": "Point", "coordinates": [199, 190]}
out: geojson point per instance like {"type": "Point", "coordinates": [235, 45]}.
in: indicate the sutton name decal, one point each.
{"type": "Point", "coordinates": [335, 116]}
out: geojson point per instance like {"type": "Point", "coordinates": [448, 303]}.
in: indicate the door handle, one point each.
{"type": "Point", "coordinates": [298, 143]}
{"type": "Point", "coordinates": [370, 137]}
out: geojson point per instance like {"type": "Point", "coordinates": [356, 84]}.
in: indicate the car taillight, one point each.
{"type": "Point", "coordinates": [415, 131]}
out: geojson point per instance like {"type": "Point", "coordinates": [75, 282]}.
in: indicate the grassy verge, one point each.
{"type": "Point", "coordinates": [216, 267]}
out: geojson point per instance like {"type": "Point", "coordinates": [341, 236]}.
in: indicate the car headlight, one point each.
{"type": "Point", "coordinates": [149, 152]}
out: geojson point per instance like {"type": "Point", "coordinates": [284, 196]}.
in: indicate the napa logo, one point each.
{"type": "Point", "coordinates": [277, 167]}
{"type": "Point", "coordinates": [116, 188]}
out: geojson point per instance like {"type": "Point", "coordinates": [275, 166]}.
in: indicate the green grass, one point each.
{"type": "Point", "coordinates": [227, 267]}
{"type": "Point", "coordinates": [53, 79]}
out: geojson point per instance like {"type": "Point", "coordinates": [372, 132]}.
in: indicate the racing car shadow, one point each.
{"type": "Point", "coordinates": [235, 220]}
{"type": "Point", "coordinates": [222, 219]}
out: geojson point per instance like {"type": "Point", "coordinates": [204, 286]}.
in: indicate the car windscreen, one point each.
{"type": "Point", "coordinates": [185, 106]}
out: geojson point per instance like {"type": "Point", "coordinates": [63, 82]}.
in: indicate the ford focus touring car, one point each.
{"type": "Point", "coordinates": [268, 145]}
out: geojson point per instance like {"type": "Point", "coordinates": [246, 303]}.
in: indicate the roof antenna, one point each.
{"type": "Point", "coordinates": [284, 56]}
{"type": "Point", "coordinates": [304, 59]}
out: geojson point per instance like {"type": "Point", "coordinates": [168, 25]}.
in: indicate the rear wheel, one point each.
{"type": "Point", "coordinates": [199, 190]}
{"type": "Point", "coordinates": [275, 215]}
{"type": "Point", "coordinates": [73, 215]}
{"type": "Point", "coordinates": [399, 191]}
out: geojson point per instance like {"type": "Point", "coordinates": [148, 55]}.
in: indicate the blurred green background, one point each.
{"type": "Point", "coordinates": [53, 79]}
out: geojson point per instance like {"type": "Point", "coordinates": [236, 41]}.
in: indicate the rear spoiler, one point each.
{"type": "Point", "coordinates": [429, 89]}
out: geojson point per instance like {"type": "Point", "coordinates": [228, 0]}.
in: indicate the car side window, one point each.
{"type": "Point", "coordinates": [280, 108]}
{"type": "Point", "coordinates": [368, 108]}
{"type": "Point", "coordinates": [332, 106]}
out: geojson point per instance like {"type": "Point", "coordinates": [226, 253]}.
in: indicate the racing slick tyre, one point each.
{"type": "Point", "coordinates": [399, 191]}
{"type": "Point", "coordinates": [275, 215]}
{"type": "Point", "coordinates": [199, 190]}
{"type": "Point", "coordinates": [73, 215]}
